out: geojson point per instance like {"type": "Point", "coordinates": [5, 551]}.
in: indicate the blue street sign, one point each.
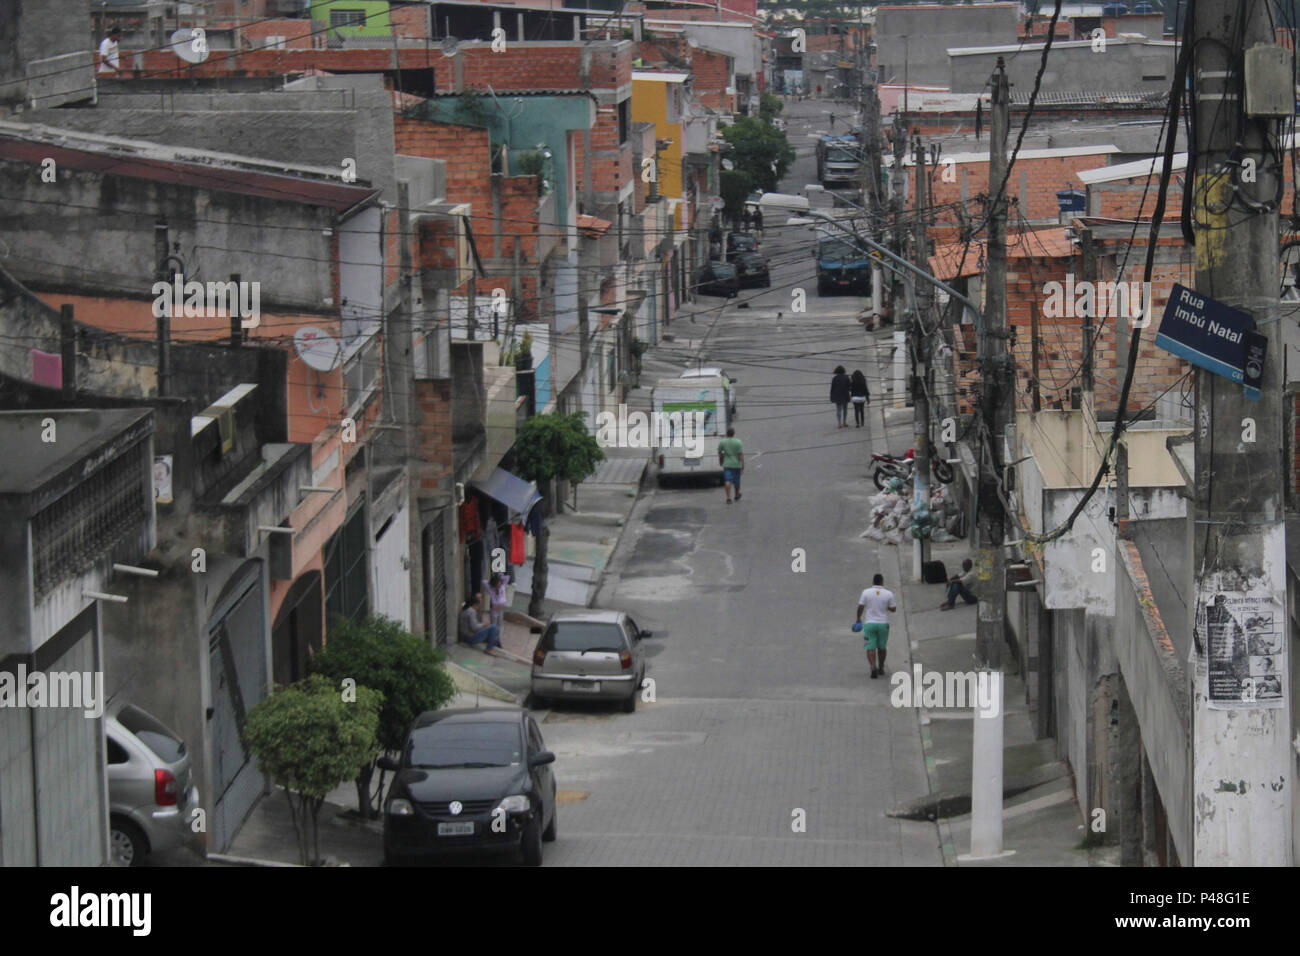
{"type": "Point", "coordinates": [1215, 337]}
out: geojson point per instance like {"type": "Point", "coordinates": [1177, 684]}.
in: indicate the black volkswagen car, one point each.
{"type": "Point", "coordinates": [717, 278]}
{"type": "Point", "coordinates": [752, 270]}
{"type": "Point", "coordinates": [474, 779]}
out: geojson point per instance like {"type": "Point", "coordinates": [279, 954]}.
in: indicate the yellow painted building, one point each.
{"type": "Point", "coordinates": [662, 98]}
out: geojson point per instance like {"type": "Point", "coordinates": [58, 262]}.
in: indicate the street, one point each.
{"type": "Point", "coordinates": [765, 717]}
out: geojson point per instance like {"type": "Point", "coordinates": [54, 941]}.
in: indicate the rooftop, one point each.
{"type": "Point", "coordinates": [220, 172]}
{"type": "Point", "coordinates": [87, 439]}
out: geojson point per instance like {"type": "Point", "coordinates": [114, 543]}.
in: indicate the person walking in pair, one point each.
{"type": "Point", "coordinates": [841, 392]}
{"type": "Point", "coordinates": [859, 395]}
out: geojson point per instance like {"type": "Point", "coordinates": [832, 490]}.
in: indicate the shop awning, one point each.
{"type": "Point", "coordinates": [511, 490]}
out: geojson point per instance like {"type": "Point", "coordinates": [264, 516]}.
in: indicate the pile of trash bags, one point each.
{"type": "Point", "coordinates": [893, 520]}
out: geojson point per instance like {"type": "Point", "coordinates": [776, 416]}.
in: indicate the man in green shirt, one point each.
{"type": "Point", "coordinates": [731, 456]}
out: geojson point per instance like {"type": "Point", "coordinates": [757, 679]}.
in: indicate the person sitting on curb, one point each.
{"type": "Point", "coordinates": [475, 630]}
{"type": "Point", "coordinates": [960, 585]}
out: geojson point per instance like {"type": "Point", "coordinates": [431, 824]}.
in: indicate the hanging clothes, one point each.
{"type": "Point", "coordinates": [469, 523]}
{"type": "Point", "coordinates": [516, 544]}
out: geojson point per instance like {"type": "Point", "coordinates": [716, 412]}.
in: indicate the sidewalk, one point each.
{"type": "Point", "coordinates": [1042, 823]}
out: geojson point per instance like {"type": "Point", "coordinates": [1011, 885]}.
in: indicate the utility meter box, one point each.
{"type": "Point", "coordinates": [1270, 87]}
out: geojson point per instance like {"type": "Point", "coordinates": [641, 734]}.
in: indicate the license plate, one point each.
{"type": "Point", "coordinates": [582, 685]}
{"type": "Point", "coordinates": [456, 829]}
{"type": "Point", "coordinates": [692, 462]}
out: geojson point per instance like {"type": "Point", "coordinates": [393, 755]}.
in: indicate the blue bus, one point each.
{"type": "Point", "coordinates": [842, 265]}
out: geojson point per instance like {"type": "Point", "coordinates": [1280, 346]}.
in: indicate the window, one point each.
{"type": "Point", "coordinates": [624, 121]}
{"type": "Point", "coordinates": [346, 590]}
{"type": "Point", "coordinates": [361, 373]}
{"type": "Point", "coordinates": [152, 734]}
{"type": "Point", "coordinates": [583, 636]}
{"type": "Point", "coordinates": [347, 18]}
{"type": "Point", "coordinates": [450, 743]}
{"type": "Point", "coordinates": [116, 752]}
{"type": "Point", "coordinates": [611, 375]}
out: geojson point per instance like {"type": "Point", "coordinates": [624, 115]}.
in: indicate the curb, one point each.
{"type": "Point", "coordinates": [249, 861]}
{"type": "Point", "coordinates": [955, 803]}
{"type": "Point", "coordinates": [942, 827]}
{"type": "Point", "coordinates": [618, 540]}
{"type": "Point", "coordinates": [467, 680]}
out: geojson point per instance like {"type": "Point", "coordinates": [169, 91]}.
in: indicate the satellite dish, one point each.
{"type": "Point", "coordinates": [728, 164]}
{"type": "Point", "coordinates": [317, 348]}
{"type": "Point", "coordinates": [450, 45]}
{"type": "Point", "coordinates": [190, 45]}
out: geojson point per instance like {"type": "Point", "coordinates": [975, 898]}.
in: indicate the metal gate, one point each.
{"type": "Point", "coordinates": [237, 677]}
{"type": "Point", "coordinates": [438, 565]}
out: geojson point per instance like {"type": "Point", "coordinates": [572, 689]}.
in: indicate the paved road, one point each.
{"type": "Point", "coordinates": [765, 716]}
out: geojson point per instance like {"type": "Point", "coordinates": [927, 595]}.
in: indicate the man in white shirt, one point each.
{"type": "Point", "coordinates": [108, 61]}
{"type": "Point", "coordinates": [878, 604]}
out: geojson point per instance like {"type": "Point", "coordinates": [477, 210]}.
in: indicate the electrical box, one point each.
{"type": "Point", "coordinates": [1270, 89]}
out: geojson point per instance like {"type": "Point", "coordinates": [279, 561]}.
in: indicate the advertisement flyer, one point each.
{"type": "Point", "coordinates": [1245, 646]}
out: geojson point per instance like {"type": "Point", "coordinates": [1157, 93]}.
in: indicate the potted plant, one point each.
{"type": "Point", "coordinates": [524, 357]}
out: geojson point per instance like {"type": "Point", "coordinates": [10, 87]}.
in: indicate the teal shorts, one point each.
{"type": "Point", "coordinates": [876, 636]}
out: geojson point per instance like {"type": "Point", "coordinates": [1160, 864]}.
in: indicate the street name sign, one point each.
{"type": "Point", "coordinates": [1215, 337]}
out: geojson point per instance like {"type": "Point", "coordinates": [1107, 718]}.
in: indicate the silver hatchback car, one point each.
{"type": "Point", "coordinates": [150, 793]}
{"type": "Point", "coordinates": [586, 655]}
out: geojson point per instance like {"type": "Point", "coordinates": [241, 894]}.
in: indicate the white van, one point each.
{"type": "Point", "coordinates": [677, 405]}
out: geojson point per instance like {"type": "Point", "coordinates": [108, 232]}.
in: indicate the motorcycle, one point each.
{"type": "Point", "coordinates": [888, 467]}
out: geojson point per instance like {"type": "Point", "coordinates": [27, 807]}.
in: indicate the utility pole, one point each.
{"type": "Point", "coordinates": [161, 245]}
{"type": "Point", "coordinates": [898, 184]}
{"type": "Point", "coordinates": [919, 350]}
{"type": "Point", "coordinates": [996, 408]}
{"type": "Point", "coordinates": [1240, 545]}
{"type": "Point", "coordinates": [871, 192]}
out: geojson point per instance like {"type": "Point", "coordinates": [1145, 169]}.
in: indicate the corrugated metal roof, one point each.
{"type": "Point", "coordinates": [220, 178]}
{"type": "Point", "coordinates": [661, 77]}
{"type": "Point", "coordinates": [1152, 98]}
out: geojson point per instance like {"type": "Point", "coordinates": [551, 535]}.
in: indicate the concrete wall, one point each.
{"type": "Point", "coordinates": [46, 52]}
{"type": "Point", "coordinates": [1165, 546]}
{"type": "Point", "coordinates": [87, 237]}
{"type": "Point", "coordinates": [314, 121]}
{"type": "Point", "coordinates": [930, 31]}
{"type": "Point", "coordinates": [1071, 67]}
{"type": "Point", "coordinates": [1158, 687]}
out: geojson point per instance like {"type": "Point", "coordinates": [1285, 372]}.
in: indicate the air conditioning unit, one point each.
{"type": "Point", "coordinates": [460, 493]}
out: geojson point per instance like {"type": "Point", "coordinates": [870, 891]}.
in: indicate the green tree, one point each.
{"type": "Point", "coordinates": [769, 105]}
{"type": "Point", "coordinates": [735, 186]}
{"type": "Point", "coordinates": [548, 447]}
{"type": "Point", "coordinates": [308, 738]}
{"type": "Point", "coordinates": [405, 670]}
{"type": "Point", "coordinates": [759, 149]}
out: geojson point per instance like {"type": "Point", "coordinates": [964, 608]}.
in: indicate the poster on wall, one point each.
{"type": "Point", "coordinates": [162, 479]}
{"type": "Point", "coordinates": [1245, 646]}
